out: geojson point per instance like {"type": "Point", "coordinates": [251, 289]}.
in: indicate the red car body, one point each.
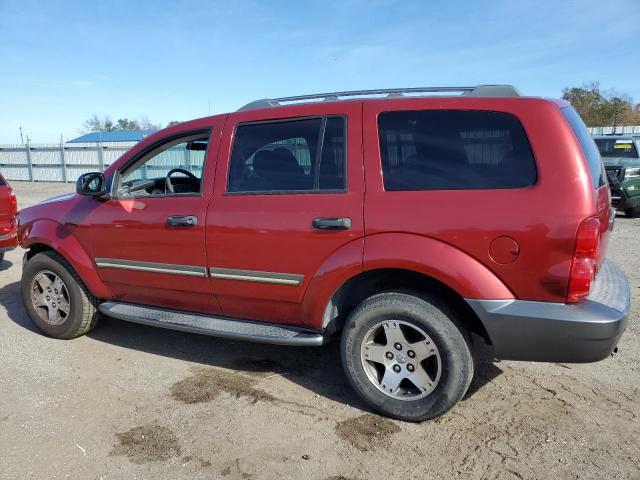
{"type": "Point", "coordinates": [8, 207]}
{"type": "Point", "coordinates": [454, 238]}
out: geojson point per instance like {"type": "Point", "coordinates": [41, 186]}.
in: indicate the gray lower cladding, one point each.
{"type": "Point", "coordinates": [587, 331]}
{"type": "Point", "coordinates": [229, 328]}
{"type": "Point", "coordinates": [192, 271]}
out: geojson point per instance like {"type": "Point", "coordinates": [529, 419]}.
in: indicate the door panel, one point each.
{"type": "Point", "coordinates": [144, 258]}
{"type": "Point", "coordinates": [262, 247]}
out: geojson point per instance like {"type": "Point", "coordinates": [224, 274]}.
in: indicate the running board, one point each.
{"type": "Point", "coordinates": [215, 326]}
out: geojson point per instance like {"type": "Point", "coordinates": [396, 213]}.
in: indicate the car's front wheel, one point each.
{"type": "Point", "coordinates": [55, 297]}
{"type": "Point", "coordinates": [406, 356]}
{"type": "Point", "coordinates": [632, 212]}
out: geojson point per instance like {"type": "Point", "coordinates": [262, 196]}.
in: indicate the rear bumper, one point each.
{"type": "Point", "coordinates": [557, 332]}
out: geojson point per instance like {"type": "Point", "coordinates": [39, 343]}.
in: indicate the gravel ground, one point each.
{"type": "Point", "coordinates": [129, 401]}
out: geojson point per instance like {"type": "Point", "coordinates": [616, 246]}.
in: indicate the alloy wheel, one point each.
{"type": "Point", "coordinates": [401, 360]}
{"type": "Point", "coordinates": [50, 297]}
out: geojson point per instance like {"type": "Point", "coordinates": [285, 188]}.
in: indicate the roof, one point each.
{"type": "Point", "coordinates": [477, 91]}
{"type": "Point", "coordinates": [113, 136]}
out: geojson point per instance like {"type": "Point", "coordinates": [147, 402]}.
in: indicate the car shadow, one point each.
{"type": "Point", "coordinates": [317, 369]}
{"type": "Point", "coordinates": [11, 300]}
{"type": "Point", "coordinates": [485, 365]}
{"type": "Point", "coordinates": [5, 264]}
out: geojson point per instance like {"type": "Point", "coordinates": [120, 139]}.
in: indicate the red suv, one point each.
{"type": "Point", "coordinates": [399, 220]}
{"type": "Point", "coordinates": [8, 207]}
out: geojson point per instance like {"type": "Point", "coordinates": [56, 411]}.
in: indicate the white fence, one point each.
{"type": "Point", "coordinates": [618, 130]}
{"type": "Point", "coordinates": [58, 162]}
{"type": "Point", "coordinates": [66, 162]}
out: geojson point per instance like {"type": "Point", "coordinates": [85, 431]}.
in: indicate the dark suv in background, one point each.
{"type": "Point", "coordinates": [621, 157]}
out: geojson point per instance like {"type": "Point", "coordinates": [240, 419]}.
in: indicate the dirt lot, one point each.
{"type": "Point", "coordinates": [129, 401]}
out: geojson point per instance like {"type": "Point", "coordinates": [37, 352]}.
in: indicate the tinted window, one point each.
{"type": "Point", "coordinates": [454, 150]}
{"type": "Point", "coordinates": [286, 156]}
{"type": "Point", "coordinates": [589, 148]}
{"type": "Point", "coordinates": [617, 147]}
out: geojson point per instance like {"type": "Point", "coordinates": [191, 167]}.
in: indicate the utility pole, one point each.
{"type": "Point", "coordinates": [21, 137]}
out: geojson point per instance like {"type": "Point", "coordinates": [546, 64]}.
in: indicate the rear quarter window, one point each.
{"type": "Point", "coordinates": [454, 150]}
{"type": "Point", "coordinates": [589, 148]}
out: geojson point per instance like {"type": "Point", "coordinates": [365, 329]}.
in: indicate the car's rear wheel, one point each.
{"type": "Point", "coordinates": [406, 356]}
{"type": "Point", "coordinates": [55, 297]}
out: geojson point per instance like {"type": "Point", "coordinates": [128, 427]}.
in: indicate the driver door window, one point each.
{"type": "Point", "coordinates": [173, 168]}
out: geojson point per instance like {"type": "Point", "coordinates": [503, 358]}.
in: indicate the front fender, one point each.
{"type": "Point", "coordinates": [459, 271]}
{"type": "Point", "coordinates": [60, 239]}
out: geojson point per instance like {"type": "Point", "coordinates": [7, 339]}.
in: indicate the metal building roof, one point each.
{"type": "Point", "coordinates": [113, 136]}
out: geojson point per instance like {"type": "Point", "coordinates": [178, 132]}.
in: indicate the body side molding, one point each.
{"type": "Point", "coordinates": [153, 267]}
{"type": "Point", "coordinates": [256, 276]}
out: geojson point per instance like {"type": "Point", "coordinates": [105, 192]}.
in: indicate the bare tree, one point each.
{"type": "Point", "coordinates": [97, 124]}
{"type": "Point", "coordinates": [146, 124]}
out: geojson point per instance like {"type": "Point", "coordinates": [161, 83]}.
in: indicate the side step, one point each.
{"type": "Point", "coordinates": [215, 326]}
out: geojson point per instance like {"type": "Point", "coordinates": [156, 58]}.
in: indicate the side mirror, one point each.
{"type": "Point", "coordinates": [91, 184]}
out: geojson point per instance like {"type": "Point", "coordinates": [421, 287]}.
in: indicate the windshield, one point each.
{"type": "Point", "coordinates": [617, 147]}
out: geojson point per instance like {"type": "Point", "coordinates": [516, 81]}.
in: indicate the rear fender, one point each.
{"type": "Point", "coordinates": [59, 238]}
{"type": "Point", "coordinates": [399, 251]}
{"type": "Point", "coordinates": [462, 273]}
{"type": "Point", "coordinates": [340, 266]}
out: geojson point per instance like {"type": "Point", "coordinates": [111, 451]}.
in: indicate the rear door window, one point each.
{"type": "Point", "coordinates": [591, 153]}
{"type": "Point", "coordinates": [454, 150]}
{"type": "Point", "coordinates": [302, 155]}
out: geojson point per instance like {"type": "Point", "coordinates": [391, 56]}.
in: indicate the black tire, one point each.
{"type": "Point", "coordinates": [431, 316]}
{"type": "Point", "coordinates": [632, 212]}
{"type": "Point", "coordinates": [83, 306]}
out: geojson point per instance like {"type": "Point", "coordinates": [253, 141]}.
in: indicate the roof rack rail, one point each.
{"type": "Point", "coordinates": [477, 91]}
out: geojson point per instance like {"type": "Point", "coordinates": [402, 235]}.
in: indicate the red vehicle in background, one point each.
{"type": "Point", "coordinates": [8, 208]}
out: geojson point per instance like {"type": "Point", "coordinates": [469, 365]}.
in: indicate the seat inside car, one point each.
{"type": "Point", "coordinates": [280, 170]}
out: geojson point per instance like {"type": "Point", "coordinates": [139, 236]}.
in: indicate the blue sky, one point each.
{"type": "Point", "coordinates": [61, 62]}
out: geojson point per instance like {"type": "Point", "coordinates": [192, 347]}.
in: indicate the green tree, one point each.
{"type": "Point", "coordinates": [105, 124]}
{"type": "Point", "coordinates": [602, 109]}
{"type": "Point", "coordinates": [126, 124]}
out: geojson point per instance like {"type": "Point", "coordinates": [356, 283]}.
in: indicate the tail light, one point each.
{"type": "Point", "coordinates": [583, 264]}
{"type": "Point", "coordinates": [13, 204]}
